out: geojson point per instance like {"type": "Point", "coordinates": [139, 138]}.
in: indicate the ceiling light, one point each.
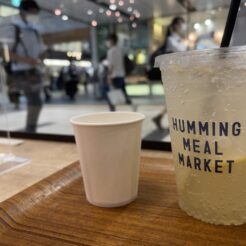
{"type": "Point", "coordinates": [113, 7]}
{"type": "Point", "coordinates": [134, 25]}
{"type": "Point", "coordinates": [117, 14]}
{"type": "Point", "coordinates": [65, 17]}
{"type": "Point", "coordinates": [94, 23]}
{"type": "Point", "coordinates": [89, 12]}
{"type": "Point", "coordinates": [121, 3]}
{"type": "Point", "coordinates": [131, 1]}
{"type": "Point", "coordinates": [108, 13]}
{"type": "Point", "coordinates": [132, 18]}
{"type": "Point", "coordinates": [112, 1]}
{"type": "Point", "coordinates": [101, 10]}
{"type": "Point", "coordinates": [208, 22]}
{"type": "Point", "coordinates": [136, 13]}
{"type": "Point", "coordinates": [57, 12]}
{"type": "Point", "coordinates": [120, 20]}
{"type": "Point", "coordinates": [197, 26]}
{"type": "Point", "coordinates": [129, 9]}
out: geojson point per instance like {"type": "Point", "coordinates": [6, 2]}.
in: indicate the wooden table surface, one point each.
{"type": "Point", "coordinates": [45, 157]}
{"type": "Point", "coordinates": [55, 212]}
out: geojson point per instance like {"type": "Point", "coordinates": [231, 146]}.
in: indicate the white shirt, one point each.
{"type": "Point", "coordinates": [33, 42]}
{"type": "Point", "coordinates": [175, 44]}
{"type": "Point", "coordinates": [115, 59]}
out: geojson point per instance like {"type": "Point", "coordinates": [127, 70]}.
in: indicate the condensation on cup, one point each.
{"type": "Point", "coordinates": [205, 96]}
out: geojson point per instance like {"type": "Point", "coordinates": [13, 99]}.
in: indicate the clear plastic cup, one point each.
{"type": "Point", "coordinates": [109, 150]}
{"type": "Point", "coordinates": [206, 97]}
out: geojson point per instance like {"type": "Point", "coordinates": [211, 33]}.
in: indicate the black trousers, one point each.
{"type": "Point", "coordinates": [28, 82]}
{"type": "Point", "coordinates": [119, 83]}
{"type": "Point", "coordinates": [34, 107]}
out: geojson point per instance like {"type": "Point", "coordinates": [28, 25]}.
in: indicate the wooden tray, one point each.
{"type": "Point", "coordinates": [55, 212]}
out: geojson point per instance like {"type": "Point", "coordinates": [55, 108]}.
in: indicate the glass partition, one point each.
{"type": "Point", "coordinates": [62, 65]}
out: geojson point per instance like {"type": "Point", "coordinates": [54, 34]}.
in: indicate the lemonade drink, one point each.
{"type": "Point", "coordinates": [206, 97]}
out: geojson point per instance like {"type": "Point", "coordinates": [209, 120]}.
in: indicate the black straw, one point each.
{"type": "Point", "coordinates": [230, 23]}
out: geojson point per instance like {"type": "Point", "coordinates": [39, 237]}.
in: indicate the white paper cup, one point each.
{"type": "Point", "coordinates": [109, 150]}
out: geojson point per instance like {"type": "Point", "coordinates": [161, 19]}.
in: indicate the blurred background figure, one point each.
{"type": "Point", "coordinates": [206, 41]}
{"type": "Point", "coordinates": [25, 53]}
{"type": "Point", "coordinates": [116, 66]}
{"type": "Point", "coordinates": [60, 81]}
{"type": "Point", "coordinates": [173, 42]}
{"type": "Point", "coordinates": [175, 36]}
{"type": "Point", "coordinates": [71, 80]}
{"type": "Point", "coordinates": [47, 79]}
{"type": "Point", "coordinates": [102, 73]}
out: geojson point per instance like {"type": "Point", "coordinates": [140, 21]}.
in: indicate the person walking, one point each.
{"type": "Point", "coordinates": [72, 81]}
{"type": "Point", "coordinates": [25, 52]}
{"type": "Point", "coordinates": [173, 43]}
{"type": "Point", "coordinates": [116, 66]}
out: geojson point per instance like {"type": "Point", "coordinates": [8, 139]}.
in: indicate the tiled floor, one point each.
{"type": "Point", "coordinates": [55, 116]}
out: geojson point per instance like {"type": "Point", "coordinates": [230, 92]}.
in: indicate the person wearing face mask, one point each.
{"type": "Point", "coordinates": [26, 49]}
{"type": "Point", "coordinates": [175, 34]}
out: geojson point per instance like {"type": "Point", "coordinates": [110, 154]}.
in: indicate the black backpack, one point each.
{"type": "Point", "coordinates": [154, 73]}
